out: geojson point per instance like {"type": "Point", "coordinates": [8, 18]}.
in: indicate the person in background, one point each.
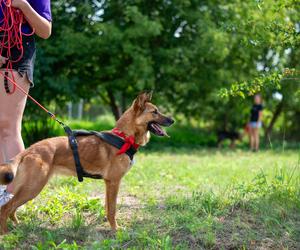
{"type": "Point", "coordinates": [38, 19]}
{"type": "Point", "coordinates": [255, 122]}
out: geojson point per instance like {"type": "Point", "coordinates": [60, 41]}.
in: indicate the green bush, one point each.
{"type": "Point", "coordinates": [181, 135]}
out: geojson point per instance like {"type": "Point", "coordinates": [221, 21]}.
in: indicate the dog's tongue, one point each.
{"type": "Point", "coordinates": [159, 129]}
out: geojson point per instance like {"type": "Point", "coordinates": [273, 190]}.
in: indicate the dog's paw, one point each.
{"type": "Point", "coordinates": [116, 228]}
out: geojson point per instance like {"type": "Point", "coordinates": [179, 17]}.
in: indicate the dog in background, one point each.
{"type": "Point", "coordinates": [30, 170]}
{"type": "Point", "coordinates": [227, 135]}
{"type": "Point", "coordinates": [233, 136]}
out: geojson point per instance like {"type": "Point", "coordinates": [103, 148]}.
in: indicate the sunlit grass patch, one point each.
{"type": "Point", "coordinates": [176, 198]}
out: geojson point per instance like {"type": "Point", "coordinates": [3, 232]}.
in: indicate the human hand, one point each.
{"type": "Point", "coordinates": [2, 60]}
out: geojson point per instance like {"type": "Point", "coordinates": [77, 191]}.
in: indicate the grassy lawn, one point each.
{"type": "Point", "coordinates": [173, 199]}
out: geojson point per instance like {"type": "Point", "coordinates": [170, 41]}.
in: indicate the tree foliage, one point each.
{"type": "Point", "coordinates": [199, 56]}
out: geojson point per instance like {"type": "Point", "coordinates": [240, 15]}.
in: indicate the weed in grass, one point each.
{"type": "Point", "coordinates": [51, 245]}
{"type": "Point", "coordinates": [94, 206]}
{"type": "Point", "coordinates": [53, 210]}
{"type": "Point", "coordinates": [78, 220]}
{"type": "Point", "coordinates": [10, 241]}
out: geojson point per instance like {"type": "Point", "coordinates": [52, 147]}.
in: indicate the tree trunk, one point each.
{"type": "Point", "coordinates": [276, 114]}
{"type": "Point", "coordinates": [123, 102]}
{"type": "Point", "coordinates": [80, 109]}
{"type": "Point", "coordinates": [113, 104]}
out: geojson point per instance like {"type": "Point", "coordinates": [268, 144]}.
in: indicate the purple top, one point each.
{"type": "Point", "coordinates": [42, 7]}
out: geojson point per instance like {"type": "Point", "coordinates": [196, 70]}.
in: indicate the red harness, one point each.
{"type": "Point", "coordinates": [129, 141]}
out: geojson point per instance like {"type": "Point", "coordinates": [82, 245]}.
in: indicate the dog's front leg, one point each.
{"type": "Point", "coordinates": [112, 189]}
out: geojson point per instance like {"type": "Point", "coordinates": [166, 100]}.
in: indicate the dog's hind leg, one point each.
{"type": "Point", "coordinates": [112, 189]}
{"type": "Point", "coordinates": [23, 196]}
{"type": "Point", "coordinates": [30, 187]}
{"type": "Point", "coordinates": [9, 210]}
{"type": "Point", "coordinates": [232, 144]}
{"type": "Point", "coordinates": [219, 144]}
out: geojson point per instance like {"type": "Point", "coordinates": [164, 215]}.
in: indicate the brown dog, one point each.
{"type": "Point", "coordinates": [30, 171]}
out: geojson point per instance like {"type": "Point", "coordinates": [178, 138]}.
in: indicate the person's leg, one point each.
{"type": "Point", "coordinates": [11, 113]}
{"type": "Point", "coordinates": [256, 136]}
{"type": "Point", "coordinates": [252, 146]}
{"type": "Point", "coordinates": [2, 160]}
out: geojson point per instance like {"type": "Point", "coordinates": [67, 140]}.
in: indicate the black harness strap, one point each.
{"type": "Point", "coordinates": [74, 147]}
{"type": "Point", "coordinates": [110, 138]}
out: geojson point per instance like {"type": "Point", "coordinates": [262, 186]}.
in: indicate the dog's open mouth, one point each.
{"type": "Point", "coordinates": [156, 129]}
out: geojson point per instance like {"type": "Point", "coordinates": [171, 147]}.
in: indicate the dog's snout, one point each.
{"type": "Point", "coordinates": [171, 121]}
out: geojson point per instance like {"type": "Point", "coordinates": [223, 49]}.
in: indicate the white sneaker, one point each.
{"type": "Point", "coordinates": [4, 196]}
{"type": "Point", "coordinates": [2, 188]}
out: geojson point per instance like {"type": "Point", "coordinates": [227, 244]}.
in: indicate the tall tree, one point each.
{"type": "Point", "coordinates": [186, 50]}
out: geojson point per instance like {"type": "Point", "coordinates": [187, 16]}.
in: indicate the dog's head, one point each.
{"type": "Point", "coordinates": [142, 118]}
{"type": "Point", "coordinates": [148, 117]}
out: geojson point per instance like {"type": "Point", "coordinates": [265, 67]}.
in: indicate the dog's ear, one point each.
{"type": "Point", "coordinates": [150, 93]}
{"type": "Point", "coordinates": [140, 102]}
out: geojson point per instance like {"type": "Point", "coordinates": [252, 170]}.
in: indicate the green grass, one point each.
{"type": "Point", "coordinates": [173, 199]}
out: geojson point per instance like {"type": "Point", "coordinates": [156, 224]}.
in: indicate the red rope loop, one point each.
{"type": "Point", "coordinates": [11, 31]}
{"type": "Point", "coordinates": [11, 35]}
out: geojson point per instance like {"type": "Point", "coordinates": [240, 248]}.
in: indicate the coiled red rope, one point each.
{"type": "Point", "coordinates": [11, 35]}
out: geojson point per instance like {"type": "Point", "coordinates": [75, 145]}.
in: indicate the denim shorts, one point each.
{"type": "Point", "coordinates": [255, 124]}
{"type": "Point", "coordinates": [26, 64]}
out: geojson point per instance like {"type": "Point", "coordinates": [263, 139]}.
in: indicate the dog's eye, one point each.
{"type": "Point", "coordinates": [155, 111]}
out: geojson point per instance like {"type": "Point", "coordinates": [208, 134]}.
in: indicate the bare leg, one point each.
{"type": "Point", "coordinates": [252, 139]}
{"type": "Point", "coordinates": [2, 158]}
{"type": "Point", "coordinates": [112, 189]}
{"type": "Point", "coordinates": [256, 136]}
{"type": "Point", "coordinates": [11, 113]}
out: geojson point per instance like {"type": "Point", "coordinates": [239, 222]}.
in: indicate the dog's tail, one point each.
{"type": "Point", "coordinates": [8, 170]}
